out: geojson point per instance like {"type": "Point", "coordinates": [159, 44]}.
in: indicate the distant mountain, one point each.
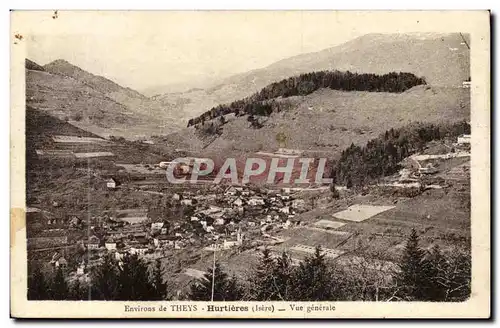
{"type": "Point", "coordinates": [98, 83]}
{"type": "Point", "coordinates": [442, 59]}
{"type": "Point", "coordinates": [33, 66]}
{"type": "Point", "coordinates": [95, 103]}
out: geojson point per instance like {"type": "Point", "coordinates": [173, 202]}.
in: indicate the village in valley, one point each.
{"type": "Point", "coordinates": [236, 221]}
{"type": "Point", "coordinates": [322, 161]}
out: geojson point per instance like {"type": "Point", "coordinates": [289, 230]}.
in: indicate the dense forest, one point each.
{"type": "Point", "coordinates": [260, 103]}
{"type": "Point", "coordinates": [420, 275]}
{"type": "Point", "coordinates": [381, 156]}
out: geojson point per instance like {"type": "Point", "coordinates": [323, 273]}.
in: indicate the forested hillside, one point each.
{"type": "Point", "coordinates": [381, 156]}
{"type": "Point", "coordinates": [305, 84]}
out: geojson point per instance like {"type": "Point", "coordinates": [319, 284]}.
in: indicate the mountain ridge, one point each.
{"type": "Point", "coordinates": [93, 102]}
{"type": "Point", "coordinates": [440, 58]}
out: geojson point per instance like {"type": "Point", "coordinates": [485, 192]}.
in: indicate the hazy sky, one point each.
{"type": "Point", "coordinates": [161, 48]}
{"type": "Point", "coordinates": [144, 49]}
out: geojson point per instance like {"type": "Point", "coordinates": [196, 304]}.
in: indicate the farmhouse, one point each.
{"type": "Point", "coordinates": [162, 241]}
{"type": "Point", "coordinates": [254, 201]}
{"type": "Point", "coordinates": [428, 169]}
{"type": "Point", "coordinates": [139, 250]}
{"type": "Point", "coordinates": [112, 183]}
{"type": "Point", "coordinates": [157, 225]}
{"type": "Point", "coordinates": [92, 242]}
{"type": "Point", "coordinates": [187, 202]}
{"type": "Point", "coordinates": [81, 268]}
{"type": "Point", "coordinates": [110, 244]}
{"type": "Point", "coordinates": [464, 139]}
{"type": "Point", "coordinates": [238, 202]}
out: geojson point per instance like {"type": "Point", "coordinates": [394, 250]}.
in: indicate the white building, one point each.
{"type": "Point", "coordinates": [110, 245]}
{"type": "Point", "coordinates": [238, 202]}
{"type": "Point", "coordinates": [92, 242]}
{"type": "Point", "coordinates": [111, 183]}
{"type": "Point", "coordinates": [298, 203]}
{"type": "Point", "coordinates": [187, 202]}
{"type": "Point", "coordinates": [254, 201]}
{"type": "Point", "coordinates": [157, 225]}
{"type": "Point", "coordinates": [285, 210]}
{"type": "Point", "coordinates": [139, 250]}
{"type": "Point", "coordinates": [80, 269]}
{"type": "Point", "coordinates": [464, 139]}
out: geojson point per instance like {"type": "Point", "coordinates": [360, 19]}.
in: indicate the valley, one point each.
{"type": "Point", "coordinates": [397, 150]}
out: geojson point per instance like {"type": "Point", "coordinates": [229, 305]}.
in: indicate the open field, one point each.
{"type": "Point", "coordinates": [94, 154]}
{"type": "Point", "coordinates": [358, 213]}
{"type": "Point", "coordinates": [331, 253]}
{"type": "Point", "coordinates": [77, 139]}
{"type": "Point", "coordinates": [327, 224]}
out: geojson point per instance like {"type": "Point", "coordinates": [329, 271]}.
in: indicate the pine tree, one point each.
{"type": "Point", "coordinates": [437, 271]}
{"type": "Point", "coordinates": [312, 280]}
{"type": "Point", "coordinates": [413, 278]}
{"type": "Point", "coordinates": [134, 282]}
{"type": "Point", "coordinates": [282, 275]}
{"type": "Point", "coordinates": [234, 292]}
{"type": "Point", "coordinates": [458, 276]}
{"type": "Point", "coordinates": [105, 281]}
{"type": "Point", "coordinates": [262, 280]}
{"type": "Point", "coordinates": [37, 286]}
{"type": "Point", "coordinates": [59, 286]}
{"type": "Point", "coordinates": [335, 192]}
{"type": "Point", "coordinates": [224, 288]}
{"type": "Point", "coordinates": [79, 291]}
{"type": "Point", "coordinates": [159, 284]}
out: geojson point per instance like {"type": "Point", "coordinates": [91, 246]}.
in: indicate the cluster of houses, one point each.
{"type": "Point", "coordinates": [243, 207]}
{"type": "Point", "coordinates": [219, 218]}
{"type": "Point", "coordinates": [424, 167]}
{"type": "Point", "coordinates": [215, 217]}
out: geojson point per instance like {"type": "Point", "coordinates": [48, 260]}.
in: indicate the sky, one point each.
{"type": "Point", "coordinates": [152, 49]}
{"type": "Point", "coordinates": [144, 49]}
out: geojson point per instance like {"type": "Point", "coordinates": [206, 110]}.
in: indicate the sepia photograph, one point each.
{"type": "Point", "coordinates": [249, 163]}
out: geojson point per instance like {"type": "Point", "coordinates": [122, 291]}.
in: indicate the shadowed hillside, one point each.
{"type": "Point", "coordinates": [94, 103]}
{"type": "Point", "coordinates": [328, 120]}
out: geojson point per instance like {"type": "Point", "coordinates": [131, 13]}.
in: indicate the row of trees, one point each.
{"type": "Point", "coordinates": [421, 275]}
{"type": "Point", "coordinates": [130, 279]}
{"type": "Point", "coordinates": [260, 103]}
{"type": "Point", "coordinates": [381, 156]}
